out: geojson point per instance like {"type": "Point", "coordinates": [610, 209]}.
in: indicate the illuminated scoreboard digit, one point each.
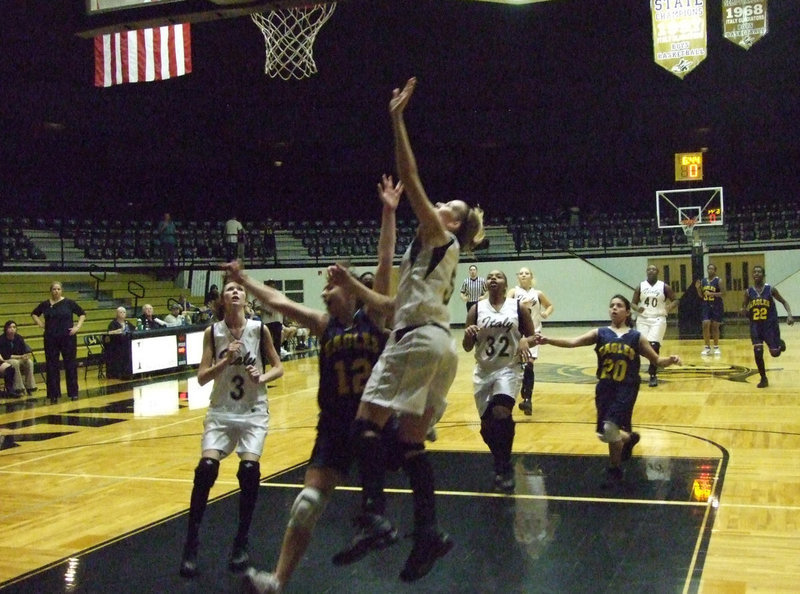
{"type": "Point", "coordinates": [688, 166]}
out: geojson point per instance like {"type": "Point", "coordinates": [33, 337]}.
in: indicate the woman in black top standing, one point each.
{"type": "Point", "coordinates": [55, 316]}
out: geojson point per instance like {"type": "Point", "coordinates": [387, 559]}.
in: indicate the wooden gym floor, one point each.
{"type": "Point", "coordinates": [95, 492]}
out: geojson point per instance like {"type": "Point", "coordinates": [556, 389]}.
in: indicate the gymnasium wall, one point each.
{"type": "Point", "coordinates": [579, 290]}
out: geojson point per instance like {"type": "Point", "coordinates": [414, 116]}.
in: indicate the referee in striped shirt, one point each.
{"type": "Point", "coordinates": [473, 289]}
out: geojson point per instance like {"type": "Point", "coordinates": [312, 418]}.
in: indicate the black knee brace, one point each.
{"type": "Point", "coordinates": [249, 474]}
{"type": "Point", "coordinates": [361, 429]}
{"type": "Point", "coordinates": [527, 381]}
{"type": "Point", "coordinates": [205, 475]}
{"type": "Point", "coordinates": [653, 368]}
{"type": "Point", "coordinates": [420, 474]}
{"type": "Point", "coordinates": [368, 447]}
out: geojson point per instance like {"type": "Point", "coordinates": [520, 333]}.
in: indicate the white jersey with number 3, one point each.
{"type": "Point", "coordinates": [653, 299]}
{"type": "Point", "coordinates": [234, 391]}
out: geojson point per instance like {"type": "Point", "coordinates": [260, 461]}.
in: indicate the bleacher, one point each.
{"type": "Point", "coordinates": [35, 244]}
{"type": "Point", "coordinates": [20, 293]}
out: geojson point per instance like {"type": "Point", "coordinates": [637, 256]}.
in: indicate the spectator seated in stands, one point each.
{"type": "Point", "coordinates": [185, 305]}
{"type": "Point", "coordinates": [206, 314]}
{"type": "Point", "coordinates": [176, 316]}
{"type": "Point", "coordinates": [147, 321]}
{"type": "Point", "coordinates": [19, 355]}
{"type": "Point", "coordinates": [120, 323]}
{"type": "Point", "coordinates": [295, 336]}
{"type": "Point", "coordinates": [190, 311]}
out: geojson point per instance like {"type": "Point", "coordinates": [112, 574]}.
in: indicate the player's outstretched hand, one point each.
{"type": "Point", "coordinates": [339, 276]}
{"type": "Point", "coordinates": [400, 98]}
{"type": "Point", "coordinates": [389, 192]}
{"type": "Point", "coordinates": [524, 352]}
{"type": "Point", "coordinates": [234, 270]}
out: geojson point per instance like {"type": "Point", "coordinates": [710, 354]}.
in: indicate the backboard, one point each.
{"type": "Point", "coordinates": [698, 206]}
{"type": "Point", "coordinates": [99, 17]}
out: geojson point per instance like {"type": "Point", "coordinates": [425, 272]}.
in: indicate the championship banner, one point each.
{"type": "Point", "coordinates": [744, 21]}
{"type": "Point", "coordinates": [679, 34]}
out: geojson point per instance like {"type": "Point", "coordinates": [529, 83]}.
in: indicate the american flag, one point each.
{"type": "Point", "coordinates": [143, 55]}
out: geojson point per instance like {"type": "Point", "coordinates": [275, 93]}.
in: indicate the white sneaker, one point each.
{"type": "Point", "coordinates": [706, 352]}
{"type": "Point", "coordinates": [284, 354]}
{"type": "Point", "coordinates": [260, 582]}
{"type": "Point", "coordinates": [717, 352]}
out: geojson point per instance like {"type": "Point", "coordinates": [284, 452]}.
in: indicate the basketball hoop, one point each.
{"type": "Point", "coordinates": [688, 226]}
{"type": "Point", "coordinates": [289, 35]}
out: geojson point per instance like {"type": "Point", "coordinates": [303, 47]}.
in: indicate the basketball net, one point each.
{"type": "Point", "coordinates": [289, 35]}
{"type": "Point", "coordinates": [688, 226]}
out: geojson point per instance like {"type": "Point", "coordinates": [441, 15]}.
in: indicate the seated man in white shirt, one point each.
{"type": "Point", "coordinates": [175, 317]}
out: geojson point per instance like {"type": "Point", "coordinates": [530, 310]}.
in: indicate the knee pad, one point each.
{"type": "Point", "coordinates": [249, 474]}
{"type": "Point", "coordinates": [610, 433]}
{"type": "Point", "coordinates": [501, 406]}
{"type": "Point", "coordinates": [656, 346]}
{"type": "Point", "coordinates": [363, 433]}
{"type": "Point", "coordinates": [206, 472]}
{"type": "Point", "coordinates": [362, 428]}
{"type": "Point", "coordinates": [307, 508]}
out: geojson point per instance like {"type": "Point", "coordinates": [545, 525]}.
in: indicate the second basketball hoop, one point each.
{"type": "Point", "coordinates": [688, 227]}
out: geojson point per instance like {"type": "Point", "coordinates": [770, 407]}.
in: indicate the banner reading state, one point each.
{"type": "Point", "coordinates": [679, 34]}
{"type": "Point", "coordinates": [744, 21]}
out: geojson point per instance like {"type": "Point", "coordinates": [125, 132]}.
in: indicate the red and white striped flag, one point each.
{"type": "Point", "coordinates": [143, 55]}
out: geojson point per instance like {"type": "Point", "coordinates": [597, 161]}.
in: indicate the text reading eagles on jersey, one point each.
{"type": "Point", "coordinates": [617, 348]}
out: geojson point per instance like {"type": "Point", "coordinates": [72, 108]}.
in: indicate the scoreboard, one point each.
{"type": "Point", "coordinates": [688, 166]}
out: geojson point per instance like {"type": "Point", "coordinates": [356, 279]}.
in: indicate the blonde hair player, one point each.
{"type": "Point", "coordinates": [541, 308]}
{"type": "Point", "coordinates": [413, 375]}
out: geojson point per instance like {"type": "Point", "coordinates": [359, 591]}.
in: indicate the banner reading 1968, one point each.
{"type": "Point", "coordinates": [744, 21]}
{"type": "Point", "coordinates": [679, 34]}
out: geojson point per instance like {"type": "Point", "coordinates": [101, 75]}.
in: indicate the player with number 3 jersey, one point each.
{"type": "Point", "coordinates": [235, 354]}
